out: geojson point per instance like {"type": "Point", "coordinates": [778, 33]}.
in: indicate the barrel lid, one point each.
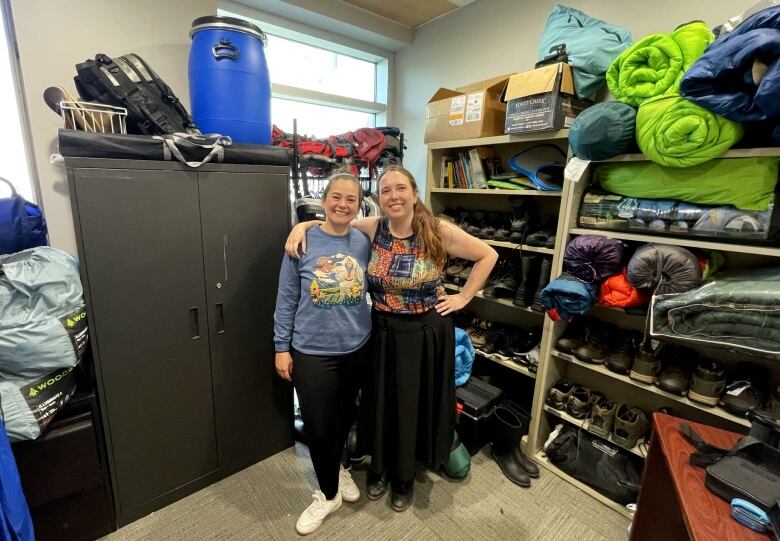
{"type": "Point", "coordinates": [231, 23]}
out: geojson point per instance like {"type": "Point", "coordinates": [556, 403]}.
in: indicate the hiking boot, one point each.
{"type": "Point", "coordinates": [675, 377]}
{"type": "Point", "coordinates": [602, 417]}
{"type": "Point", "coordinates": [708, 382]}
{"type": "Point", "coordinates": [597, 345]}
{"type": "Point", "coordinates": [502, 232]}
{"type": "Point", "coordinates": [623, 351]}
{"type": "Point", "coordinates": [376, 485]}
{"type": "Point", "coordinates": [523, 341]}
{"type": "Point", "coordinates": [529, 279]}
{"type": "Point", "coordinates": [320, 508]}
{"type": "Point", "coordinates": [402, 494]}
{"type": "Point", "coordinates": [630, 425]}
{"type": "Point", "coordinates": [559, 394]}
{"type": "Point", "coordinates": [748, 389]}
{"type": "Point", "coordinates": [456, 267]}
{"type": "Point", "coordinates": [646, 366]}
{"type": "Point", "coordinates": [550, 241]}
{"type": "Point", "coordinates": [545, 268]}
{"type": "Point", "coordinates": [496, 339]}
{"type": "Point", "coordinates": [578, 403]}
{"type": "Point", "coordinates": [478, 333]}
{"type": "Point", "coordinates": [573, 336]}
{"type": "Point", "coordinates": [460, 278]}
{"type": "Point", "coordinates": [540, 238]}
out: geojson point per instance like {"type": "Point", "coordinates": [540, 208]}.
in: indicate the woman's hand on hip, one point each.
{"type": "Point", "coordinates": [284, 365]}
{"type": "Point", "coordinates": [450, 303]}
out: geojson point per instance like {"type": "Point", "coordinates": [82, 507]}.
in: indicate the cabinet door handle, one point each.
{"type": "Point", "coordinates": [194, 323]}
{"type": "Point", "coordinates": [220, 319]}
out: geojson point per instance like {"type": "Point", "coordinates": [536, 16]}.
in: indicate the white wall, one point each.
{"type": "Point", "coordinates": [53, 37]}
{"type": "Point", "coordinates": [493, 37]}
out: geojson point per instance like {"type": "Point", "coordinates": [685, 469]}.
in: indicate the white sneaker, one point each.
{"type": "Point", "coordinates": [347, 487]}
{"type": "Point", "coordinates": [312, 516]}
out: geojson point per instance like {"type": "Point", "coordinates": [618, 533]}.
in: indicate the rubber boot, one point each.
{"type": "Point", "coordinates": [529, 279]}
{"type": "Point", "coordinates": [544, 279]}
{"type": "Point", "coordinates": [508, 429]}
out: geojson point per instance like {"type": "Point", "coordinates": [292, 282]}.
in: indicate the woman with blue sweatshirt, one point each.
{"type": "Point", "coordinates": [322, 324]}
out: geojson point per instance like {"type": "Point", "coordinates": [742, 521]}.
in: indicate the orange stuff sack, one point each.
{"type": "Point", "coordinates": [617, 292]}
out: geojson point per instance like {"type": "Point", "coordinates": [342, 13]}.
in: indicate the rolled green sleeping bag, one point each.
{"type": "Point", "coordinates": [675, 132]}
{"type": "Point", "coordinates": [654, 65]}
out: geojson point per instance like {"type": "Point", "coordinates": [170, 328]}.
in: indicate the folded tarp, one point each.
{"type": "Point", "coordinates": [739, 75]}
{"type": "Point", "coordinates": [79, 144]}
{"type": "Point", "coordinates": [739, 310]}
{"type": "Point", "coordinates": [591, 45]}
{"type": "Point", "coordinates": [746, 183]}
{"type": "Point", "coordinates": [654, 65]}
{"type": "Point", "coordinates": [673, 131]}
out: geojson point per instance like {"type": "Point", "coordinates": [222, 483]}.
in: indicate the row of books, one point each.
{"type": "Point", "coordinates": [470, 169]}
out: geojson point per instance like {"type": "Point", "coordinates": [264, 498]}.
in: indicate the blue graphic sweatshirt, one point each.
{"type": "Point", "coordinates": [321, 306]}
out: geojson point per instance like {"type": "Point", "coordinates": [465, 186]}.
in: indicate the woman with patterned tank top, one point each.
{"type": "Point", "coordinates": [409, 403]}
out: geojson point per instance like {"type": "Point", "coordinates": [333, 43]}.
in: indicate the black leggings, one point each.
{"type": "Point", "coordinates": [327, 388]}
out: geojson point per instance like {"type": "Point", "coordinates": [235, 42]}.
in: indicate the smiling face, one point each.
{"type": "Point", "coordinates": [397, 196]}
{"type": "Point", "coordinates": [342, 202]}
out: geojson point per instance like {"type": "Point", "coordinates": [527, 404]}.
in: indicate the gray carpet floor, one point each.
{"type": "Point", "coordinates": [264, 501]}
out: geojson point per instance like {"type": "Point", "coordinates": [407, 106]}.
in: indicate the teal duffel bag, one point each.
{"type": "Point", "coordinates": [460, 460]}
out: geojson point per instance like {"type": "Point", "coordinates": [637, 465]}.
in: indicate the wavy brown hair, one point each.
{"type": "Point", "coordinates": [424, 225]}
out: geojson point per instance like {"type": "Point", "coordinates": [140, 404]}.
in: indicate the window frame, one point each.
{"type": "Point", "coordinates": [9, 34]}
{"type": "Point", "coordinates": [287, 29]}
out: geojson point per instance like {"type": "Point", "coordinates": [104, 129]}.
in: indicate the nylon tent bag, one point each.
{"type": "Point", "coordinates": [43, 336]}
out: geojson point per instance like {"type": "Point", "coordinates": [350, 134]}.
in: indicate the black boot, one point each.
{"type": "Point", "coordinates": [402, 494]}
{"type": "Point", "coordinates": [508, 429]}
{"type": "Point", "coordinates": [376, 485]}
{"type": "Point", "coordinates": [529, 279]}
{"type": "Point", "coordinates": [544, 278]}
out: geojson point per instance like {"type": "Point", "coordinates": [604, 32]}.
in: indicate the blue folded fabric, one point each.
{"type": "Point", "coordinates": [722, 79]}
{"type": "Point", "coordinates": [567, 296]}
{"type": "Point", "coordinates": [464, 357]}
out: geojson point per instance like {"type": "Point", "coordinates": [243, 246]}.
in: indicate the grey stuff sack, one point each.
{"type": "Point", "coordinates": [43, 336]}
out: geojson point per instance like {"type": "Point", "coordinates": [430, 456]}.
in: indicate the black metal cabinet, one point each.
{"type": "Point", "coordinates": [180, 271]}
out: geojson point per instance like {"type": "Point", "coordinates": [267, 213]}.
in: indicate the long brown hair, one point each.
{"type": "Point", "coordinates": [424, 225]}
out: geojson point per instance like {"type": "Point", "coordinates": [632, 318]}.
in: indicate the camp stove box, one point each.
{"type": "Point", "coordinates": [542, 99]}
{"type": "Point", "coordinates": [467, 112]}
{"type": "Point", "coordinates": [476, 400]}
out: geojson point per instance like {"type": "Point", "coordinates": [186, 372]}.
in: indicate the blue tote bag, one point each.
{"type": "Point", "coordinates": [22, 224]}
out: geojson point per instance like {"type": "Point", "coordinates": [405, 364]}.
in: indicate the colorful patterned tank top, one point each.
{"type": "Point", "coordinates": [399, 279]}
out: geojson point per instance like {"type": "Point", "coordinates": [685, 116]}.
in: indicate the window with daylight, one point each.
{"type": "Point", "coordinates": [14, 166]}
{"type": "Point", "coordinates": [328, 88]}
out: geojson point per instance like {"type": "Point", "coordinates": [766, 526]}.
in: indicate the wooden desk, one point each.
{"type": "Point", "coordinates": [674, 504]}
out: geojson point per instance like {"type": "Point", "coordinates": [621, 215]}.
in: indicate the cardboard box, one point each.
{"type": "Point", "coordinates": [542, 99]}
{"type": "Point", "coordinates": [468, 112]}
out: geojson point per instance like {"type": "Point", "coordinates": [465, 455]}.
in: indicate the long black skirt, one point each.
{"type": "Point", "coordinates": [408, 404]}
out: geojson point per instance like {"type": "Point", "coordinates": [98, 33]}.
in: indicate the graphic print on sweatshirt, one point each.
{"type": "Point", "coordinates": [338, 282]}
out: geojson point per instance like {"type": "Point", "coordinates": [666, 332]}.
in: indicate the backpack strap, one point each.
{"type": "Point", "coordinates": [708, 454]}
{"type": "Point", "coordinates": [140, 65]}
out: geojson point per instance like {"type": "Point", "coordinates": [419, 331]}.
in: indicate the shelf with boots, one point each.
{"type": "Point", "coordinates": [650, 388]}
{"type": "Point", "coordinates": [554, 365]}
{"type": "Point", "coordinates": [508, 363]}
{"type": "Point", "coordinates": [538, 204]}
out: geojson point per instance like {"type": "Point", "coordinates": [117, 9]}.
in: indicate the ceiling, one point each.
{"type": "Point", "coordinates": [411, 13]}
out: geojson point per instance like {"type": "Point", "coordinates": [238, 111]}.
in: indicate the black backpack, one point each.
{"type": "Point", "coordinates": [127, 81]}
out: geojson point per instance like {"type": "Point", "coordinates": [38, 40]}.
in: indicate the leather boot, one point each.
{"type": "Point", "coordinates": [402, 494]}
{"type": "Point", "coordinates": [544, 278]}
{"type": "Point", "coordinates": [508, 429]}
{"type": "Point", "coordinates": [529, 279]}
{"type": "Point", "coordinates": [376, 485]}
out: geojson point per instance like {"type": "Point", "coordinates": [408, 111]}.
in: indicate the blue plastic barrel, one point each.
{"type": "Point", "coordinates": [230, 90]}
